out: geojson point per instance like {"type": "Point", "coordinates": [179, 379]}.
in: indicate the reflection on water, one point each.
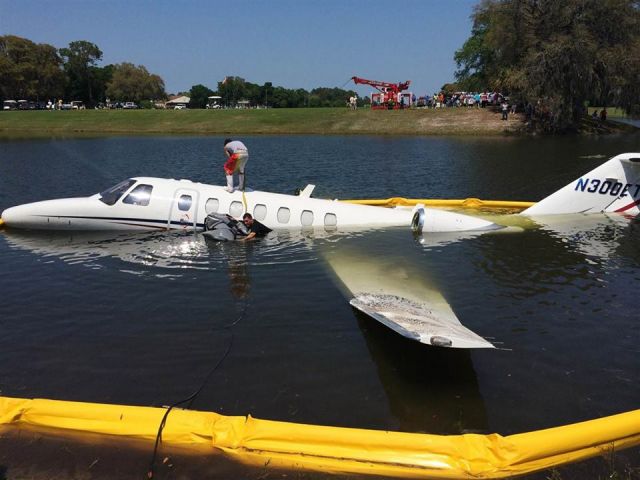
{"type": "Point", "coordinates": [139, 318]}
{"type": "Point", "coordinates": [166, 250]}
{"type": "Point", "coordinates": [433, 388]}
{"type": "Point", "coordinates": [564, 250]}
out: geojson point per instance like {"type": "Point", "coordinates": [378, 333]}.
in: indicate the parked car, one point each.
{"type": "Point", "coordinates": [9, 105]}
{"type": "Point", "coordinates": [180, 107]}
{"type": "Point", "coordinates": [129, 106]}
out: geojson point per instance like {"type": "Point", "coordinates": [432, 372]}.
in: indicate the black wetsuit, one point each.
{"type": "Point", "coordinates": [259, 229]}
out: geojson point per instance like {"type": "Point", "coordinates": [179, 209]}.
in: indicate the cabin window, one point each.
{"type": "Point", "coordinates": [184, 203]}
{"type": "Point", "coordinates": [330, 220]}
{"type": "Point", "coordinates": [283, 215]}
{"type": "Point", "coordinates": [113, 194]}
{"type": "Point", "coordinates": [141, 195]}
{"type": "Point", "coordinates": [212, 205]}
{"type": "Point", "coordinates": [236, 209]}
{"type": "Point", "coordinates": [306, 218]}
{"type": "Point", "coordinates": [260, 212]}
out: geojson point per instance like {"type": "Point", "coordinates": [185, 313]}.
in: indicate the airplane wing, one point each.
{"type": "Point", "coordinates": [399, 297]}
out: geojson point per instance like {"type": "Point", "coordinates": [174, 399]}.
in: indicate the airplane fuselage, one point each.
{"type": "Point", "coordinates": [147, 203]}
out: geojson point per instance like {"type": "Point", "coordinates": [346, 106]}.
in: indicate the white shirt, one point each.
{"type": "Point", "coordinates": [236, 147]}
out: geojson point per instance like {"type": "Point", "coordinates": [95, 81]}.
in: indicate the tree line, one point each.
{"type": "Point", "coordinates": [558, 57]}
{"type": "Point", "coordinates": [42, 72]}
{"type": "Point", "coordinates": [234, 89]}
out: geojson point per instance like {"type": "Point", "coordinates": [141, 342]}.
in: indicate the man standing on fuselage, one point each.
{"type": "Point", "coordinates": [237, 157]}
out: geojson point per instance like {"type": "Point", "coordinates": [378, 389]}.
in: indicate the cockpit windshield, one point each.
{"type": "Point", "coordinates": [113, 194]}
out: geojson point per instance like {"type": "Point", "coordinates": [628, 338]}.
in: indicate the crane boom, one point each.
{"type": "Point", "coordinates": [378, 85]}
{"type": "Point", "coordinates": [390, 96]}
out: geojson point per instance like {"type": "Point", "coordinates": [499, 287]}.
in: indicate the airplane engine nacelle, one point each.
{"type": "Point", "coordinates": [432, 220]}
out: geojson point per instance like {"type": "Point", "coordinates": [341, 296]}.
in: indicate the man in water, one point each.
{"type": "Point", "coordinates": [256, 229]}
{"type": "Point", "coordinates": [237, 157]}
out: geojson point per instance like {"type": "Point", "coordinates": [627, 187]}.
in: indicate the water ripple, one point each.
{"type": "Point", "coordinates": [171, 250]}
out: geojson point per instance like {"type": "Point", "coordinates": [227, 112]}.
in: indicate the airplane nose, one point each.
{"type": "Point", "coordinates": [10, 216]}
{"type": "Point", "coordinates": [48, 214]}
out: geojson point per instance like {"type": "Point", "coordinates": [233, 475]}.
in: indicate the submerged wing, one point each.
{"type": "Point", "coordinates": [418, 321]}
{"type": "Point", "coordinates": [400, 298]}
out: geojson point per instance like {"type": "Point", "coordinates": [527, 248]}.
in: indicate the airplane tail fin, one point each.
{"type": "Point", "coordinates": [614, 186]}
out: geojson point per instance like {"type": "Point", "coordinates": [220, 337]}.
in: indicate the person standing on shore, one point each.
{"type": "Point", "coordinates": [505, 110]}
{"type": "Point", "coordinates": [237, 157]}
{"type": "Point", "coordinates": [603, 114]}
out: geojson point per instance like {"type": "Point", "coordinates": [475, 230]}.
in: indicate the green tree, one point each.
{"type": "Point", "coordinates": [100, 77]}
{"type": "Point", "coordinates": [29, 70]}
{"type": "Point", "coordinates": [450, 88]}
{"type": "Point", "coordinates": [330, 97]}
{"type": "Point", "coordinates": [253, 93]}
{"type": "Point", "coordinates": [232, 90]}
{"type": "Point", "coordinates": [80, 57]}
{"type": "Point", "coordinates": [475, 57]}
{"type": "Point", "coordinates": [199, 96]}
{"type": "Point", "coordinates": [555, 55]}
{"type": "Point", "coordinates": [134, 83]}
{"type": "Point", "coordinates": [265, 92]}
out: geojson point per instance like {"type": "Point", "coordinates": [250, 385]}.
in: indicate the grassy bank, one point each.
{"type": "Point", "coordinates": [331, 121]}
{"type": "Point", "coordinates": [453, 121]}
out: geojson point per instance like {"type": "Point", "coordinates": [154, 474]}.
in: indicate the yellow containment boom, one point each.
{"type": "Point", "coordinates": [463, 203]}
{"type": "Point", "coordinates": [341, 450]}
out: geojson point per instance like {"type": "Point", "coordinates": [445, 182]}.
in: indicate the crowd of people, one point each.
{"type": "Point", "coordinates": [461, 99]}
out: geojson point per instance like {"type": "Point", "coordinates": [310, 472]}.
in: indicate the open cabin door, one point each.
{"type": "Point", "coordinates": [184, 210]}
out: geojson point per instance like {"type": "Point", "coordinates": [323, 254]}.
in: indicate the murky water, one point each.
{"type": "Point", "coordinates": [141, 318]}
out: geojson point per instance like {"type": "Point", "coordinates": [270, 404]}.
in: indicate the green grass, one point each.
{"type": "Point", "coordinates": [277, 121]}
{"type": "Point", "coordinates": [451, 121]}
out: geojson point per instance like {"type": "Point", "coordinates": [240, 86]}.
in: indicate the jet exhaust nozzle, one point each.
{"type": "Point", "coordinates": [417, 222]}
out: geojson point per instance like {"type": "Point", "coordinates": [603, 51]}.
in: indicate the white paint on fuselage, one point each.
{"type": "Point", "coordinates": [612, 187]}
{"type": "Point", "coordinates": [165, 210]}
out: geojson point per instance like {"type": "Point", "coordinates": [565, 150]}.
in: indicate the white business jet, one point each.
{"type": "Point", "coordinates": [392, 297]}
{"type": "Point", "coordinates": [147, 203]}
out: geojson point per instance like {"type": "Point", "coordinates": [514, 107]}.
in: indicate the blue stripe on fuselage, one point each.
{"type": "Point", "coordinates": [125, 219]}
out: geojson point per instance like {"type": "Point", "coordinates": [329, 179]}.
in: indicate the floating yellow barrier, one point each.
{"type": "Point", "coordinates": [462, 203]}
{"type": "Point", "coordinates": [289, 445]}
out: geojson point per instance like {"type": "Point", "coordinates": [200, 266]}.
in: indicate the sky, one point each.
{"type": "Point", "coordinates": [291, 43]}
